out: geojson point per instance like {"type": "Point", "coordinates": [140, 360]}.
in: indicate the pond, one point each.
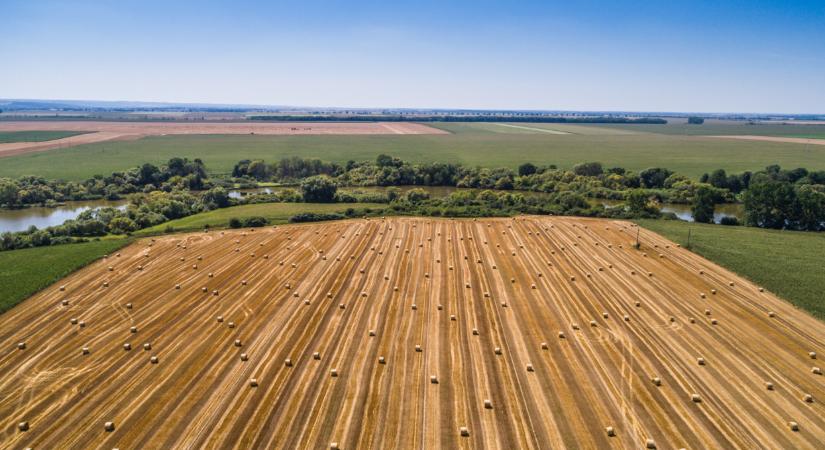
{"type": "Point", "coordinates": [683, 211]}
{"type": "Point", "coordinates": [42, 217]}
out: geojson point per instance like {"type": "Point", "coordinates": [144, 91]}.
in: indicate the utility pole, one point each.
{"type": "Point", "coordinates": [688, 242]}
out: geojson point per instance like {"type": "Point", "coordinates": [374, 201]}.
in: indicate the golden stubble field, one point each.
{"type": "Point", "coordinates": [535, 332]}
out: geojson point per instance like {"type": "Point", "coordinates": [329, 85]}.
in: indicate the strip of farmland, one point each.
{"type": "Point", "coordinates": [500, 333]}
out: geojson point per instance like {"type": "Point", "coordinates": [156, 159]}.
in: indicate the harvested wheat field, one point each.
{"type": "Point", "coordinates": [100, 131]}
{"type": "Point", "coordinates": [535, 332]}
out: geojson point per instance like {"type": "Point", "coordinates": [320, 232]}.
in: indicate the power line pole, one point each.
{"type": "Point", "coordinates": [688, 241]}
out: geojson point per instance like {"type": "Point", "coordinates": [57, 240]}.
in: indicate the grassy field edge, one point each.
{"type": "Point", "coordinates": [787, 263]}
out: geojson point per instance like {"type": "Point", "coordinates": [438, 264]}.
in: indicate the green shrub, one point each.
{"type": "Point", "coordinates": [729, 220]}
{"type": "Point", "coordinates": [255, 221]}
{"type": "Point", "coordinates": [315, 217]}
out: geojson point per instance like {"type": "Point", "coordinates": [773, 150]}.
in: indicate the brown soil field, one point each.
{"type": "Point", "coordinates": [560, 323]}
{"type": "Point", "coordinates": [20, 148]}
{"type": "Point", "coordinates": [106, 131]}
{"type": "Point", "coordinates": [791, 140]}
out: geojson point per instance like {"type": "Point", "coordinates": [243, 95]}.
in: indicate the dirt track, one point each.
{"type": "Point", "coordinates": [791, 140]}
{"type": "Point", "coordinates": [107, 131]}
{"type": "Point", "coordinates": [198, 395]}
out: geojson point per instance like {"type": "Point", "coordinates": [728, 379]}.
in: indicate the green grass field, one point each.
{"type": "Point", "coordinates": [35, 136]}
{"type": "Point", "coordinates": [277, 213]}
{"type": "Point", "coordinates": [24, 272]}
{"type": "Point", "coordinates": [788, 263]}
{"type": "Point", "coordinates": [473, 144]}
{"type": "Point", "coordinates": [808, 136]}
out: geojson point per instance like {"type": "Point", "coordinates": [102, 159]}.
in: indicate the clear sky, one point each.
{"type": "Point", "coordinates": [663, 55]}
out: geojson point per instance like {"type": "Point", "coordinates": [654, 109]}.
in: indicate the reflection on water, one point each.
{"type": "Point", "coordinates": [41, 217]}
{"type": "Point", "coordinates": [683, 212]}
{"type": "Point", "coordinates": [435, 191]}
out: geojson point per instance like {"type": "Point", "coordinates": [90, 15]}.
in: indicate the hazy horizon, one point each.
{"type": "Point", "coordinates": [760, 56]}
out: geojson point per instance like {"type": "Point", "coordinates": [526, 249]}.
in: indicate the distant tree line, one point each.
{"type": "Point", "coordinates": [462, 118]}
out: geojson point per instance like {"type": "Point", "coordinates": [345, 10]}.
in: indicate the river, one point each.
{"type": "Point", "coordinates": [42, 217]}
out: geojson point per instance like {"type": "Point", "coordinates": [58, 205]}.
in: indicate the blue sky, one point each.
{"type": "Point", "coordinates": [664, 55]}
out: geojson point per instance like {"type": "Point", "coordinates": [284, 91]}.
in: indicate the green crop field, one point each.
{"type": "Point", "coordinates": [788, 263]}
{"type": "Point", "coordinates": [474, 144]}
{"type": "Point", "coordinates": [24, 272]}
{"type": "Point", "coordinates": [35, 136]}
{"type": "Point", "coordinates": [277, 213]}
{"type": "Point", "coordinates": [720, 128]}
